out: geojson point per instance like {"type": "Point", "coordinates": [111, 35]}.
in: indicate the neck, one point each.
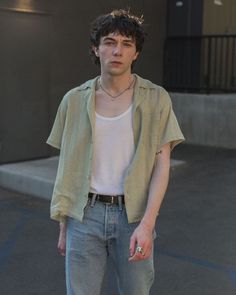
{"type": "Point", "coordinates": [116, 83]}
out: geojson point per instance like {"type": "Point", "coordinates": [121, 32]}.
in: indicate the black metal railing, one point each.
{"type": "Point", "coordinates": [200, 63]}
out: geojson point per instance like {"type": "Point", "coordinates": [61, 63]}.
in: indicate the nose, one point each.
{"type": "Point", "coordinates": [117, 50]}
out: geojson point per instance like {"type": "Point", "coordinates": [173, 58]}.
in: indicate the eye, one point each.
{"type": "Point", "coordinates": [127, 44]}
{"type": "Point", "coordinates": [109, 43]}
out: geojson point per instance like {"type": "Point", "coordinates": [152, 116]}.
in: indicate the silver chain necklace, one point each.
{"type": "Point", "coordinates": [119, 94]}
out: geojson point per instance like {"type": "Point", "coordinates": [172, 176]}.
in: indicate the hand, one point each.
{"type": "Point", "coordinates": [61, 246]}
{"type": "Point", "coordinates": [141, 237]}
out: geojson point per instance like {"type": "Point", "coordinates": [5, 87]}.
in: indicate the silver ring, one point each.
{"type": "Point", "coordinates": [140, 250]}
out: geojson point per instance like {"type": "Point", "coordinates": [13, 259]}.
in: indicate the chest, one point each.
{"type": "Point", "coordinates": [109, 107]}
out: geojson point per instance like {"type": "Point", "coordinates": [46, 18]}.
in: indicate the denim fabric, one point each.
{"type": "Point", "coordinates": [104, 231]}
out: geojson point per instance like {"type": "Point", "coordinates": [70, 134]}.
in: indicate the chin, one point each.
{"type": "Point", "coordinates": [117, 72]}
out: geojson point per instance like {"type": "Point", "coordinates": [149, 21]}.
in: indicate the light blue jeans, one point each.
{"type": "Point", "coordinates": [104, 231]}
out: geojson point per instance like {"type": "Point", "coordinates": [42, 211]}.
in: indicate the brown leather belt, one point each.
{"type": "Point", "coordinates": [108, 199]}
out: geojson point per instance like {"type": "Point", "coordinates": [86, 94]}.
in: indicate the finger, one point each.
{"type": "Point", "coordinates": [136, 257]}
{"type": "Point", "coordinates": [147, 254]}
{"type": "Point", "coordinates": [62, 251]}
{"type": "Point", "coordinates": [59, 249]}
{"type": "Point", "coordinates": [132, 245]}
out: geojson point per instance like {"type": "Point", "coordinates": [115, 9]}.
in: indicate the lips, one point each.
{"type": "Point", "coordinates": [116, 62]}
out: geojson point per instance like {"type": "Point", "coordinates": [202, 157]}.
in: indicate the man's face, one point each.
{"type": "Point", "coordinates": [116, 53]}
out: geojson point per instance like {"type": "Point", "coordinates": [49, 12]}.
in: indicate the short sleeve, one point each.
{"type": "Point", "coordinates": [169, 131]}
{"type": "Point", "coordinates": [55, 137]}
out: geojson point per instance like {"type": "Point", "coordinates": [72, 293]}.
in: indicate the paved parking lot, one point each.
{"type": "Point", "coordinates": [195, 249]}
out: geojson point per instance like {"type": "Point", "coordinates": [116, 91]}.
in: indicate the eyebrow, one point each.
{"type": "Point", "coordinates": [112, 39]}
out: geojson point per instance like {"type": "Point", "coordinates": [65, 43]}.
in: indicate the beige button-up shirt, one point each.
{"type": "Point", "coordinates": [154, 124]}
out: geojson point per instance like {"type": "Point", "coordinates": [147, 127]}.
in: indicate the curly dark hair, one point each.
{"type": "Point", "coordinates": [120, 21]}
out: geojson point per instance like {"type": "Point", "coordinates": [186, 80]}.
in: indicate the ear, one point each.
{"type": "Point", "coordinates": [95, 50]}
{"type": "Point", "coordinates": [136, 55]}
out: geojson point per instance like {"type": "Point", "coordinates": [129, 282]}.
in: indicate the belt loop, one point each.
{"type": "Point", "coordinates": [120, 203]}
{"type": "Point", "coordinates": [93, 200]}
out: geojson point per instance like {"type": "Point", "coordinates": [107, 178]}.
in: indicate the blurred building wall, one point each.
{"type": "Point", "coordinates": [25, 36]}
{"type": "Point", "coordinates": [219, 18]}
{"type": "Point", "coordinates": [206, 119]}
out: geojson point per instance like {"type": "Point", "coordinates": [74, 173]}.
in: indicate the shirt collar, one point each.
{"type": "Point", "coordinates": [140, 83]}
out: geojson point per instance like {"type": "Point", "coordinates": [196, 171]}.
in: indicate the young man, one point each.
{"type": "Point", "coordinates": [115, 134]}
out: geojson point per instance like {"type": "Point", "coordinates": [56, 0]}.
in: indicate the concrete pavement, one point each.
{"type": "Point", "coordinates": [195, 250]}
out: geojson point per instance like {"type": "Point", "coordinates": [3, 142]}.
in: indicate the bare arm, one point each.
{"type": "Point", "coordinates": [62, 239]}
{"type": "Point", "coordinates": [158, 186]}
{"type": "Point", "coordinates": [142, 235]}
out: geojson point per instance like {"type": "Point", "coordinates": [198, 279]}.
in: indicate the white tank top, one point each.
{"type": "Point", "coordinates": [113, 152]}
